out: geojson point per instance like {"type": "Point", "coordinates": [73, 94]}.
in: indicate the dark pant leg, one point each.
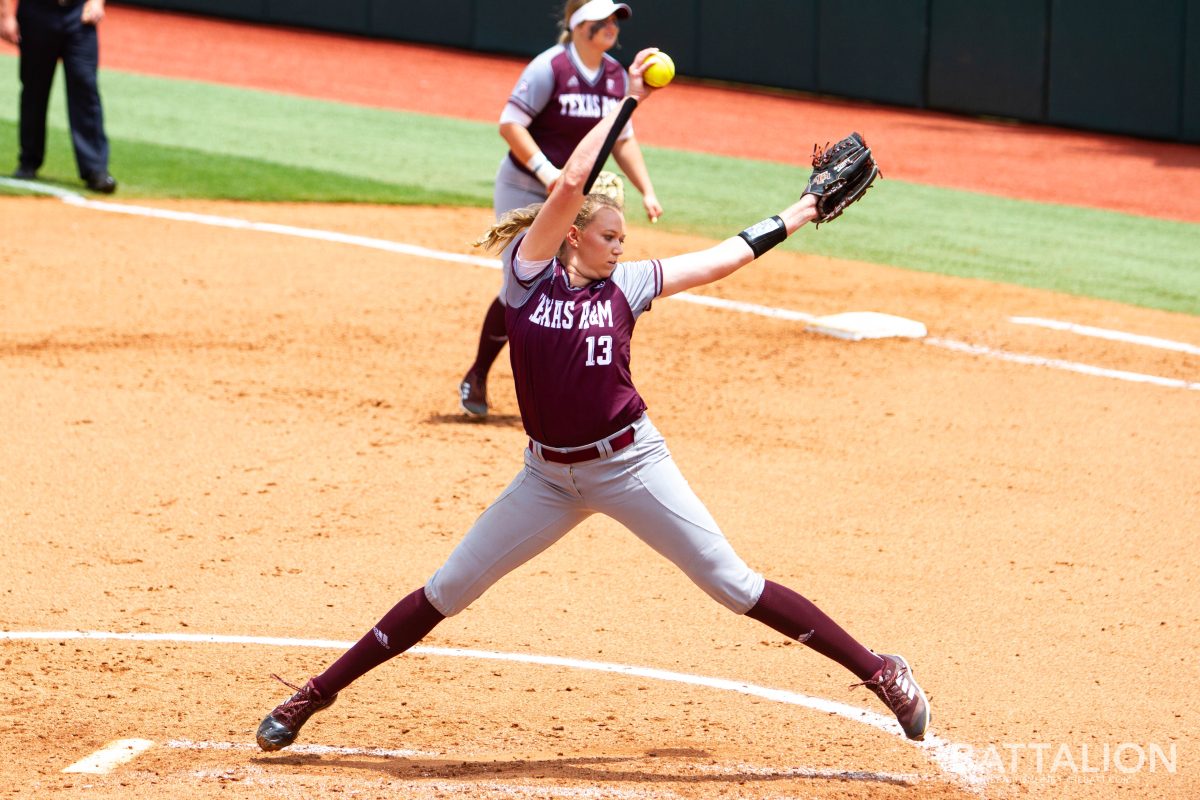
{"type": "Point", "coordinates": [41, 45]}
{"type": "Point", "coordinates": [81, 59]}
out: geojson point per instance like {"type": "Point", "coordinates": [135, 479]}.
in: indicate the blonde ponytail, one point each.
{"type": "Point", "coordinates": [507, 228]}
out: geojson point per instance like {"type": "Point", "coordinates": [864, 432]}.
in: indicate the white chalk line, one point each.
{"type": "Point", "coordinates": [953, 759]}
{"type": "Point", "coordinates": [1055, 363]}
{"type": "Point", "coordinates": [1109, 334]}
{"type": "Point", "coordinates": [111, 756]}
{"type": "Point", "coordinates": [75, 199]}
{"type": "Point", "coordinates": [744, 308]}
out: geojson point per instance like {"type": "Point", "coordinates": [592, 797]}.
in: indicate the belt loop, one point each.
{"type": "Point", "coordinates": [605, 448]}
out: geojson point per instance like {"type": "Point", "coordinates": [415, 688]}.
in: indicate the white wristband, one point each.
{"type": "Point", "coordinates": [541, 167]}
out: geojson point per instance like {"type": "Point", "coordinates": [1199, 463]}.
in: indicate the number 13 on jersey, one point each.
{"type": "Point", "coordinates": [599, 351]}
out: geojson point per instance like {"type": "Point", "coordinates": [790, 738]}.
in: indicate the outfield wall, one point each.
{"type": "Point", "coordinates": [1104, 65]}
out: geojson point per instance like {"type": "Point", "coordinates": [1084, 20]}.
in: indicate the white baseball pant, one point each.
{"type": "Point", "coordinates": [640, 487]}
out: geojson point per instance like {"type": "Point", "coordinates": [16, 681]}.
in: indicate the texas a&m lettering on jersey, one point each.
{"type": "Point", "coordinates": [587, 106]}
{"type": "Point", "coordinates": [563, 314]}
{"type": "Point", "coordinates": [570, 351]}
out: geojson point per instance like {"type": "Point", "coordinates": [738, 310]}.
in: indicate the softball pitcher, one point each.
{"type": "Point", "coordinates": [571, 310]}
{"type": "Point", "coordinates": [559, 97]}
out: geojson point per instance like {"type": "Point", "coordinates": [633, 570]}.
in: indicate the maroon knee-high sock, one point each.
{"type": "Point", "coordinates": [407, 623]}
{"type": "Point", "coordinates": [797, 618]}
{"type": "Point", "coordinates": [492, 337]}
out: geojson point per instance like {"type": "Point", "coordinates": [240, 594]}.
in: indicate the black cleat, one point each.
{"type": "Point", "coordinates": [280, 728]}
{"type": "Point", "coordinates": [472, 395]}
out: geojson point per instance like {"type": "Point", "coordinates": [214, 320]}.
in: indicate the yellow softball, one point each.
{"type": "Point", "coordinates": [660, 70]}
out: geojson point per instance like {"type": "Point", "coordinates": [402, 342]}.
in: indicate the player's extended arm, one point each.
{"type": "Point", "coordinates": [841, 176]}
{"type": "Point", "coordinates": [628, 154]}
{"type": "Point", "coordinates": [526, 150]}
{"type": "Point", "coordinates": [690, 270]}
{"type": "Point", "coordinates": [550, 227]}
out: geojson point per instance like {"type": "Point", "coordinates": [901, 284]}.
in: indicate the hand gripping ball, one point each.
{"type": "Point", "coordinates": [660, 70]}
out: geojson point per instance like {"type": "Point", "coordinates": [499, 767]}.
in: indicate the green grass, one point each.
{"type": "Point", "coordinates": [190, 139]}
{"type": "Point", "coordinates": [165, 171]}
{"type": "Point", "coordinates": [1148, 262]}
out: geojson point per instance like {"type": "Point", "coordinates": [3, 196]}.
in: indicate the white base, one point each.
{"type": "Point", "coordinates": [858, 325]}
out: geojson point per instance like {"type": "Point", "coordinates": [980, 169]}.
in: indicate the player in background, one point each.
{"type": "Point", "coordinates": [561, 94]}
{"type": "Point", "coordinates": [572, 306]}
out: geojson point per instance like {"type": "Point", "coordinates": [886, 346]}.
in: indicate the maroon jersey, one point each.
{"type": "Point", "coordinates": [570, 351]}
{"type": "Point", "coordinates": [563, 103]}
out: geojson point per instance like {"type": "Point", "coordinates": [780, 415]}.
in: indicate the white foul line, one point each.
{"type": "Point", "coordinates": [1055, 363]}
{"type": "Point", "coordinates": [745, 308]}
{"type": "Point", "coordinates": [111, 756]}
{"type": "Point", "coordinates": [952, 758]}
{"type": "Point", "coordinates": [1105, 333]}
{"type": "Point", "coordinates": [285, 230]}
{"type": "Point", "coordinates": [76, 199]}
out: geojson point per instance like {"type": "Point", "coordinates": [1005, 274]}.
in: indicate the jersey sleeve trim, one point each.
{"type": "Point", "coordinates": [533, 269]}
{"type": "Point", "coordinates": [516, 111]}
{"type": "Point", "coordinates": [537, 78]}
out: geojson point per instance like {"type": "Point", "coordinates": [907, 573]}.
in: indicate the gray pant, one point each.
{"type": "Point", "coordinates": [515, 189]}
{"type": "Point", "coordinates": [640, 487]}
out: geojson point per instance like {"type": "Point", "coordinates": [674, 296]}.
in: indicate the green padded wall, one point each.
{"type": "Point", "coordinates": [989, 57]}
{"type": "Point", "coordinates": [255, 10]}
{"type": "Point", "coordinates": [447, 22]}
{"type": "Point", "coordinates": [519, 27]}
{"type": "Point", "coordinates": [769, 42]}
{"type": "Point", "coordinates": [343, 16]}
{"type": "Point", "coordinates": [1191, 75]}
{"type": "Point", "coordinates": [873, 49]}
{"type": "Point", "coordinates": [1117, 66]}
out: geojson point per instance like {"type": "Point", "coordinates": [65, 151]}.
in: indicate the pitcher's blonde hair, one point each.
{"type": "Point", "coordinates": [509, 226]}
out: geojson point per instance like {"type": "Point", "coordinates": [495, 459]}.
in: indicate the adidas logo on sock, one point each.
{"type": "Point", "coordinates": [381, 637]}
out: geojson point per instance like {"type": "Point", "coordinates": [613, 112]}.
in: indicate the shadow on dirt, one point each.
{"type": "Point", "coordinates": [656, 767]}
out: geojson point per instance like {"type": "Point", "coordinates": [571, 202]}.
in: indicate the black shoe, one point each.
{"type": "Point", "coordinates": [24, 173]}
{"type": "Point", "coordinates": [472, 395]}
{"type": "Point", "coordinates": [101, 182]}
{"type": "Point", "coordinates": [279, 728]}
